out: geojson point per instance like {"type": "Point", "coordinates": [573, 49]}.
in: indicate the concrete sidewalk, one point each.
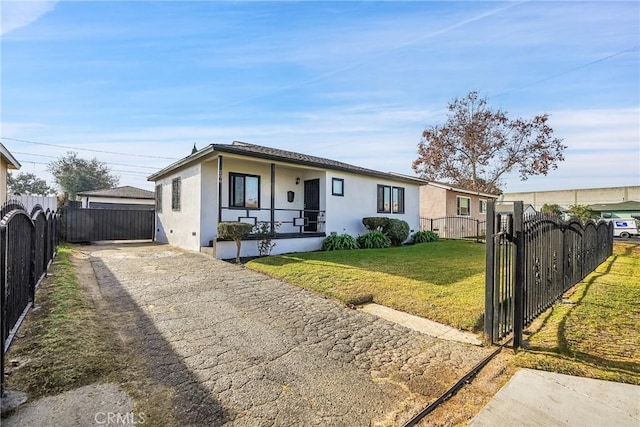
{"type": "Point", "coordinates": [538, 398]}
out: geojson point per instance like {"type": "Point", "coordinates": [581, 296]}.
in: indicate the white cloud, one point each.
{"type": "Point", "coordinates": [18, 14]}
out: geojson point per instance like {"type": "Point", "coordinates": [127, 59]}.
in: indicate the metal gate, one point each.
{"type": "Point", "coordinates": [532, 261]}
{"type": "Point", "coordinates": [91, 225]}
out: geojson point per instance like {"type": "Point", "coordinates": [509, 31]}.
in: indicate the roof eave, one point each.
{"type": "Point", "coordinates": [182, 162]}
{"type": "Point", "coordinates": [11, 161]}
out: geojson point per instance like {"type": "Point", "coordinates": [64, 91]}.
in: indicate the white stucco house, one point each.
{"type": "Point", "coordinates": [126, 197]}
{"type": "Point", "coordinates": [7, 161]}
{"type": "Point", "coordinates": [309, 197]}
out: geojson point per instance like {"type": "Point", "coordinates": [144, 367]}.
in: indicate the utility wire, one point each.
{"type": "Point", "coordinates": [109, 163]}
{"type": "Point", "coordinates": [87, 149]}
{"type": "Point", "coordinates": [112, 170]}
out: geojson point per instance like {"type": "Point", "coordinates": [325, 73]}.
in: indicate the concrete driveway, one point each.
{"type": "Point", "coordinates": [241, 348]}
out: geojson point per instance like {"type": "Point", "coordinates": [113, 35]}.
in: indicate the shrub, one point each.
{"type": "Point", "coordinates": [235, 231]}
{"type": "Point", "coordinates": [374, 240]}
{"type": "Point", "coordinates": [375, 223]}
{"type": "Point", "coordinates": [266, 234]}
{"type": "Point", "coordinates": [340, 242]}
{"type": "Point", "coordinates": [397, 230]}
{"type": "Point", "coordinates": [424, 237]}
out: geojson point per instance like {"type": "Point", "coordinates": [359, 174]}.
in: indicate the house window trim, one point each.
{"type": "Point", "coordinates": [159, 198]}
{"type": "Point", "coordinates": [401, 195]}
{"type": "Point", "coordinates": [458, 206]}
{"type": "Point", "coordinates": [232, 190]}
{"type": "Point", "coordinates": [381, 186]}
{"type": "Point", "coordinates": [176, 194]}
{"type": "Point", "coordinates": [480, 210]}
{"type": "Point", "coordinates": [333, 188]}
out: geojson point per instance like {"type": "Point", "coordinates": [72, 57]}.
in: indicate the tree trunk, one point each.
{"type": "Point", "coordinates": [238, 244]}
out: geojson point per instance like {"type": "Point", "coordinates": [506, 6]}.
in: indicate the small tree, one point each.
{"type": "Point", "coordinates": [581, 212]}
{"type": "Point", "coordinates": [266, 234]}
{"type": "Point", "coordinates": [235, 231]}
{"type": "Point", "coordinates": [552, 209]}
{"type": "Point", "coordinates": [29, 184]}
{"type": "Point", "coordinates": [74, 175]}
{"type": "Point", "coordinates": [478, 145]}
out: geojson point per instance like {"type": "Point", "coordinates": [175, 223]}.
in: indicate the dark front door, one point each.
{"type": "Point", "coordinates": [311, 204]}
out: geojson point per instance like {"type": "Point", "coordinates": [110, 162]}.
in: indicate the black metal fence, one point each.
{"type": "Point", "coordinates": [455, 227]}
{"type": "Point", "coordinates": [91, 225]}
{"type": "Point", "coordinates": [532, 261]}
{"type": "Point", "coordinates": [28, 243]}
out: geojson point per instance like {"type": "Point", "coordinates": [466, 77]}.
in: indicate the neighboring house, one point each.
{"type": "Point", "coordinates": [583, 196]}
{"type": "Point", "coordinates": [439, 200]}
{"type": "Point", "coordinates": [453, 212]}
{"type": "Point", "coordinates": [629, 209]}
{"type": "Point", "coordinates": [126, 197]}
{"type": "Point", "coordinates": [7, 161]}
{"type": "Point", "coordinates": [309, 197]}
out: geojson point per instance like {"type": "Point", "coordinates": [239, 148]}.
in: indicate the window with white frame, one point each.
{"type": "Point", "coordinates": [482, 206]}
{"type": "Point", "coordinates": [463, 206]}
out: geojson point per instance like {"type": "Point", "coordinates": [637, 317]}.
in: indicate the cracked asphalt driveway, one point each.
{"type": "Point", "coordinates": [237, 347]}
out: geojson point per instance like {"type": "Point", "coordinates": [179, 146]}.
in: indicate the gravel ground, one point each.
{"type": "Point", "coordinates": [240, 348]}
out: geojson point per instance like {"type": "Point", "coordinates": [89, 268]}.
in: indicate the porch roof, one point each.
{"type": "Point", "coordinates": [268, 153]}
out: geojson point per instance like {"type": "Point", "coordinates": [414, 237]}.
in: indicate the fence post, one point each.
{"type": "Point", "coordinates": [518, 291]}
{"type": "Point", "coordinates": [489, 273]}
{"type": "Point", "coordinates": [3, 302]}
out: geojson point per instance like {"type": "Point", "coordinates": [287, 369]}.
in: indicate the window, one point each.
{"type": "Point", "coordinates": [175, 194]}
{"type": "Point", "coordinates": [390, 199]}
{"type": "Point", "coordinates": [384, 199]}
{"type": "Point", "coordinates": [244, 191]}
{"type": "Point", "coordinates": [397, 197]}
{"type": "Point", "coordinates": [337, 186]}
{"type": "Point", "coordinates": [464, 204]}
{"type": "Point", "coordinates": [158, 198]}
{"type": "Point", "coordinates": [482, 207]}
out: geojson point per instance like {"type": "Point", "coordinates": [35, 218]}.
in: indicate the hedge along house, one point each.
{"type": "Point", "coordinates": [304, 197]}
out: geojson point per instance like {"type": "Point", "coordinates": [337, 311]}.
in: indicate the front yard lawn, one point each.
{"type": "Point", "coordinates": [596, 335]}
{"type": "Point", "coordinates": [442, 281]}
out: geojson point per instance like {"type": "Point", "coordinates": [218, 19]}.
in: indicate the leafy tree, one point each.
{"type": "Point", "coordinates": [74, 175]}
{"type": "Point", "coordinates": [581, 212]}
{"type": "Point", "coordinates": [29, 184]}
{"type": "Point", "coordinates": [553, 209]}
{"type": "Point", "coordinates": [477, 146]}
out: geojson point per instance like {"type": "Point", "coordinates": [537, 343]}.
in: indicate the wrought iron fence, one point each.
{"type": "Point", "coordinates": [455, 227]}
{"type": "Point", "coordinates": [27, 245]}
{"type": "Point", "coordinates": [532, 261]}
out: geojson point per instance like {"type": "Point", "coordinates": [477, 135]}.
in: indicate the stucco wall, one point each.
{"type": "Point", "coordinates": [436, 202]}
{"type": "Point", "coordinates": [86, 200]}
{"type": "Point", "coordinates": [181, 228]}
{"type": "Point", "coordinates": [585, 196]}
{"type": "Point", "coordinates": [345, 213]}
{"type": "Point", "coordinates": [3, 181]}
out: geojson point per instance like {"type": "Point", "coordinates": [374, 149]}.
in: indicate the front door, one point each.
{"type": "Point", "coordinates": [311, 204]}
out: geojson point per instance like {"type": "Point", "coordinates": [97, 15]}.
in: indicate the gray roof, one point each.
{"type": "Point", "coordinates": [126, 192]}
{"type": "Point", "coordinates": [629, 205]}
{"type": "Point", "coordinates": [11, 161]}
{"type": "Point", "coordinates": [275, 154]}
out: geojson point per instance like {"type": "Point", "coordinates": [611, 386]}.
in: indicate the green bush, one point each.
{"type": "Point", "coordinates": [340, 242]}
{"type": "Point", "coordinates": [374, 240]}
{"type": "Point", "coordinates": [424, 237]}
{"type": "Point", "coordinates": [397, 230]}
{"type": "Point", "coordinates": [235, 231]}
{"type": "Point", "coordinates": [375, 223]}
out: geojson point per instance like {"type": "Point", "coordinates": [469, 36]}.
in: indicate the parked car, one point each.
{"type": "Point", "coordinates": [625, 228]}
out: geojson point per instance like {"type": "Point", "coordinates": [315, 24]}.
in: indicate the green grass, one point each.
{"type": "Point", "coordinates": [598, 337]}
{"type": "Point", "coordinates": [442, 281]}
{"type": "Point", "coordinates": [64, 344]}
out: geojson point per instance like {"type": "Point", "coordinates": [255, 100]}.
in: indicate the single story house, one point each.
{"type": "Point", "coordinates": [126, 197]}
{"type": "Point", "coordinates": [7, 161]}
{"type": "Point", "coordinates": [453, 212]}
{"type": "Point", "coordinates": [305, 197]}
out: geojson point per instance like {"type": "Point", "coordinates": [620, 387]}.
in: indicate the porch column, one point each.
{"type": "Point", "coordinates": [273, 196]}
{"type": "Point", "coordinates": [219, 189]}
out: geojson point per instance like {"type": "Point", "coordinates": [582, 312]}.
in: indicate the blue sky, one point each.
{"type": "Point", "coordinates": [351, 81]}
